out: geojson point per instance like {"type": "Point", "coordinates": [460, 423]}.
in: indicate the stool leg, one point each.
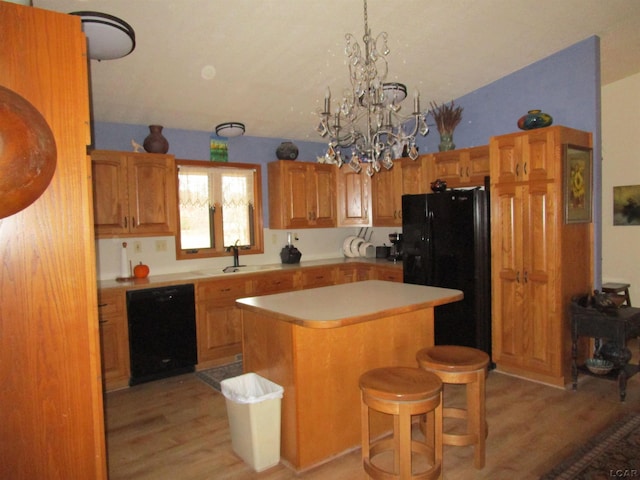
{"type": "Point", "coordinates": [438, 455]}
{"type": "Point", "coordinates": [364, 416]}
{"type": "Point", "coordinates": [476, 423]}
{"type": "Point", "coordinates": [403, 445]}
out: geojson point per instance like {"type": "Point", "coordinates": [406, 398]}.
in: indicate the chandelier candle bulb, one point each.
{"type": "Point", "coordinates": [327, 101]}
{"type": "Point", "coordinates": [416, 101]}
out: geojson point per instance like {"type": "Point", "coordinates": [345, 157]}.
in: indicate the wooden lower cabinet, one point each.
{"type": "Point", "coordinates": [357, 272]}
{"type": "Point", "coordinates": [218, 325]}
{"type": "Point", "coordinates": [114, 338]}
{"type": "Point", "coordinates": [317, 277]}
{"type": "Point", "coordinates": [218, 320]}
{"type": "Point", "coordinates": [390, 273]}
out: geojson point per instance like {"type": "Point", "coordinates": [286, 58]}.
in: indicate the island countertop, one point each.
{"type": "Point", "coordinates": [340, 305]}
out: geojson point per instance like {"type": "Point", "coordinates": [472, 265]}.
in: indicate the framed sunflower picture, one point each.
{"type": "Point", "coordinates": [578, 184]}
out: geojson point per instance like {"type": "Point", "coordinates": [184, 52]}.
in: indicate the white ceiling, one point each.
{"type": "Point", "coordinates": [273, 59]}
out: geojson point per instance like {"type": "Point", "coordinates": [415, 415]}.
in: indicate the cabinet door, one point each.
{"type": "Point", "coordinates": [522, 248]}
{"type": "Point", "coordinates": [540, 345]}
{"type": "Point", "coordinates": [523, 156]}
{"type": "Point", "coordinates": [318, 277]}
{"type": "Point", "coordinates": [219, 333]}
{"type": "Point", "coordinates": [321, 197]}
{"type": "Point", "coordinates": [477, 166]}
{"type": "Point", "coordinates": [218, 320]}
{"type": "Point", "coordinates": [386, 197]}
{"type": "Point", "coordinates": [354, 198]}
{"type": "Point", "coordinates": [301, 195]}
{"type": "Point", "coordinates": [448, 166]}
{"type": "Point", "coordinates": [414, 175]}
{"type": "Point", "coordinates": [506, 159]}
{"type": "Point", "coordinates": [298, 201]}
{"type": "Point", "coordinates": [114, 339]}
{"type": "Point", "coordinates": [134, 193]}
{"type": "Point", "coordinates": [390, 274]}
{"type": "Point", "coordinates": [152, 194]}
{"type": "Point", "coordinates": [110, 200]}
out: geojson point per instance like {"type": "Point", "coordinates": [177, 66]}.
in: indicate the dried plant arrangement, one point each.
{"type": "Point", "coordinates": [447, 117]}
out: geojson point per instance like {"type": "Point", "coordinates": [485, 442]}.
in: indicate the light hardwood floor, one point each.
{"type": "Point", "coordinates": [177, 429]}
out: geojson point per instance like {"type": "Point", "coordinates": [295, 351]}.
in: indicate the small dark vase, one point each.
{"type": "Point", "coordinates": [287, 151]}
{"type": "Point", "coordinates": [438, 186]}
{"type": "Point", "coordinates": [155, 141]}
{"type": "Point", "coordinates": [534, 119]}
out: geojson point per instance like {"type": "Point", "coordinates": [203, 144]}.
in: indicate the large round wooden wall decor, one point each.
{"type": "Point", "coordinates": [28, 153]}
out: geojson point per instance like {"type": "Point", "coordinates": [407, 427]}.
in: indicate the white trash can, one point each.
{"type": "Point", "coordinates": [253, 408]}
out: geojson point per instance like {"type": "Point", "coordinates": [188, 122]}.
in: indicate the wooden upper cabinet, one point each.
{"type": "Point", "coordinates": [134, 193]}
{"type": "Point", "coordinates": [354, 197]}
{"type": "Point", "coordinates": [415, 178]}
{"type": "Point", "coordinates": [301, 195]}
{"type": "Point", "coordinates": [532, 155]}
{"type": "Point", "coordinates": [387, 187]}
{"type": "Point", "coordinates": [465, 167]}
{"type": "Point", "coordinates": [386, 197]}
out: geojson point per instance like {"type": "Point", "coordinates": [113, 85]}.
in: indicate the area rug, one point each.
{"type": "Point", "coordinates": [214, 376]}
{"type": "Point", "coordinates": [613, 453]}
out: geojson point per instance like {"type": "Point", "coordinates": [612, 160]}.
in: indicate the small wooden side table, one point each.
{"type": "Point", "coordinates": [618, 292]}
{"type": "Point", "coordinates": [589, 322]}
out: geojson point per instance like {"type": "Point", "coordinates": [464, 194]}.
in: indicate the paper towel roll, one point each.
{"type": "Point", "coordinates": [124, 262]}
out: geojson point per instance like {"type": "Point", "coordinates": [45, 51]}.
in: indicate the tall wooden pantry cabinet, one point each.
{"type": "Point", "coordinates": [538, 260]}
{"type": "Point", "coordinates": [52, 412]}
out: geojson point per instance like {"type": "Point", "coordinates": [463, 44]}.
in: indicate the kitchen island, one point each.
{"type": "Point", "coordinates": [317, 342]}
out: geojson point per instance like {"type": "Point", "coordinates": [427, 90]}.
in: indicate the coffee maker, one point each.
{"type": "Point", "coordinates": [395, 253]}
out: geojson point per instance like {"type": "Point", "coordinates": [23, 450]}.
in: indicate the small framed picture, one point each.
{"type": "Point", "coordinates": [578, 184]}
{"type": "Point", "coordinates": [219, 152]}
{"type": "Point", "coordinates": [626, 205]}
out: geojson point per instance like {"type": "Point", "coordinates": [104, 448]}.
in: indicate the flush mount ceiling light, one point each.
{"type": "Point", "coordinates": [368, 120]}
{"type": "Point", "coordinates": [230, 129]}
{"type": "Point", "coordinates": [108, 37]}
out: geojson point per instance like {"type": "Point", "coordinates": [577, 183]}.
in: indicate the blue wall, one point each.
{"type": "Point", "coordinates": [565, 85]}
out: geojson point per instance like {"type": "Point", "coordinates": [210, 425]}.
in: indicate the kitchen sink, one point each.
{"type": "Point", "coordinates": [211, 272]}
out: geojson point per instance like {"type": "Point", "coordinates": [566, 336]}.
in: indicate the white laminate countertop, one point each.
{"type": "Point", "coordinates": [217, 272]}
{"type": "Point", "coordinates": [340, 305]}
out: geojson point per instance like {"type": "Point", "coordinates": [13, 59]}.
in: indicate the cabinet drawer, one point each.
{"type": "Point", "coordinates": [317, 277]}
{"type": "Point", "coordinates": [273, 283]}
{"type": "Point", "coordinates": [390, 274]}
{"type": "Point", "coordinates": [217, 291]}
{"type": "Point", "coordinates": [110, 302]}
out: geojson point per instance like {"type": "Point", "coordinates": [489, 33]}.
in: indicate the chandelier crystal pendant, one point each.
{"type": "Point", "coordinates": [368, 120]}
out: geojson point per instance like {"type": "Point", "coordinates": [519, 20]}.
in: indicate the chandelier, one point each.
{"type": "Point", "coordinates": [368, 120]}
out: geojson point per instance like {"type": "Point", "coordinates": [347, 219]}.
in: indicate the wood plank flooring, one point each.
{"type": "Point", "coordinates": [177, 428]}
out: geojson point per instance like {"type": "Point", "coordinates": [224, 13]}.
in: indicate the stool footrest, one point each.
{"type": "Point", "coordinates": [387, 445]}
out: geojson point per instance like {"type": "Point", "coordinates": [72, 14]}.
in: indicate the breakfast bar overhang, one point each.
{"type": "Point", "coordinates": [317, 342]}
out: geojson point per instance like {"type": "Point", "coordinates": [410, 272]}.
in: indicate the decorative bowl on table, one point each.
{"type": "Point", "coordinates": [599, 366]}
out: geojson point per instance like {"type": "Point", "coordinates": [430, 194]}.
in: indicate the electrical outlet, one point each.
{"type": "Point", "coordinates": [161, 245]}
{"type": "Point", "coordinates": [274, 239]}
{"type": "Point", "coordinates": [137, 247]}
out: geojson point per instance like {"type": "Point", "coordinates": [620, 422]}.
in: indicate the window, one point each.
{"type": "Point", "coordinates": [219, 205]}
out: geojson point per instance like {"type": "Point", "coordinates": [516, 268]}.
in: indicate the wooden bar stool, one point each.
{"type": "Point", "coordinates": [402, 392]}
{"type": "Point", "coordinates": [462, 366]}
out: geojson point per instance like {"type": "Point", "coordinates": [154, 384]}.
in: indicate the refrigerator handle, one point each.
{"type": "Point", "coordinates": [430, 264]}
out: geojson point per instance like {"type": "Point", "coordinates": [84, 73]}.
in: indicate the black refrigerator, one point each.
{"type": "Point", "coordinates": [446, 244]}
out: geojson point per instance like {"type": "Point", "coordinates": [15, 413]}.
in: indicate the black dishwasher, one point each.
{"type": "Point", "coordinates": [162, 332]}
